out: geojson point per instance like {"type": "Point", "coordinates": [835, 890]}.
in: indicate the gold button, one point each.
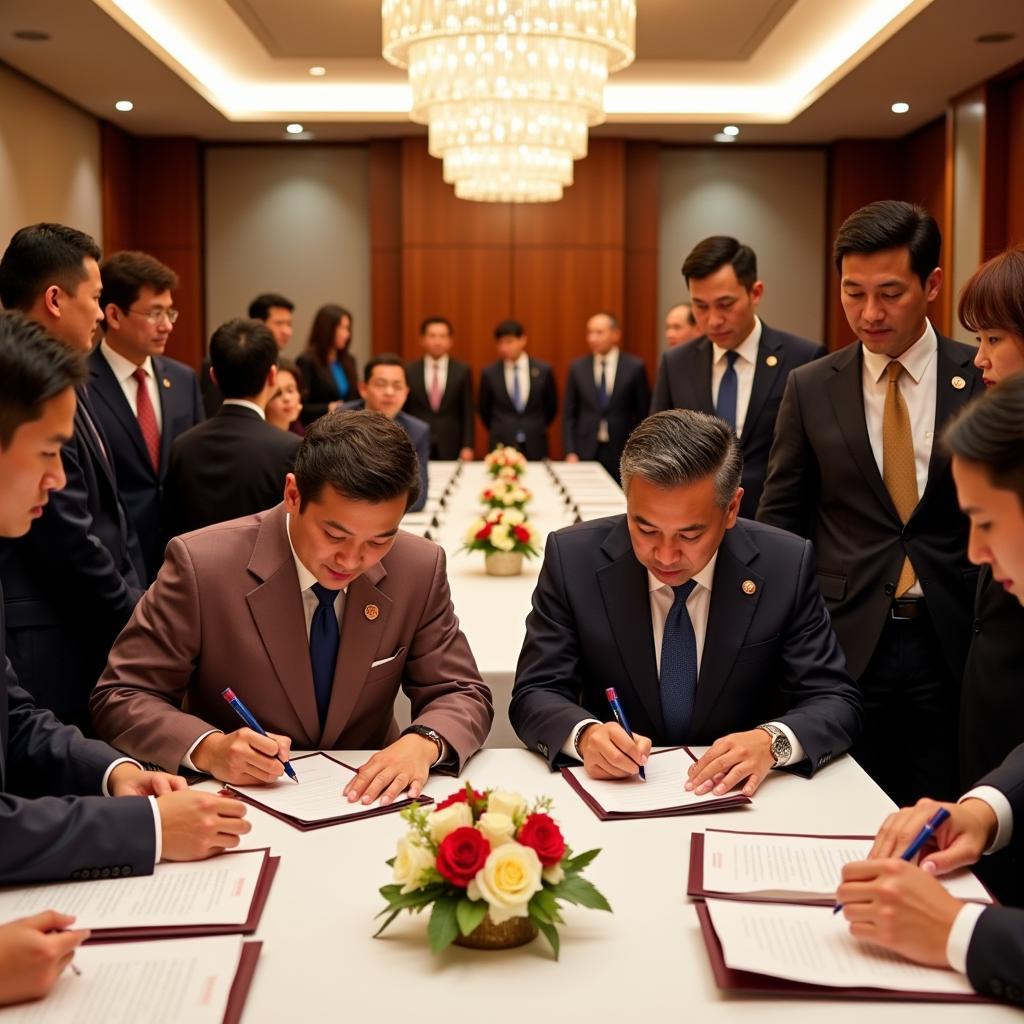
{"type": "Point", "coordinates": [772, 360]}
{"type": "Point", "coordinates": [166, 383]}
{"type": "Point", "coordinates": [959, 383]}
{"type": "Point", "coordinates": [371, 611]}
{"type": "Point", "coordinates": [749, 587]}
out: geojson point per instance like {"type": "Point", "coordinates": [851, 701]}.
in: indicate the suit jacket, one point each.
{"type": "Point", "coordinates": [226, 610]}
{"type": "Point", "coordinates": [684, 382]}
{"type": "Point", "coordinates": [500, 417]}
{"type": "Point", "coordinates": [768, 656]}
{"type": "Point", "coordinates": [72, 581]}
{"type": "Point", "coordinates": [451, 427]}
{"type": "Point", "coordinates": [140, 485]}
{"type": "Point", "coordinates": [229, 466]}
{"type": "Point", "coordinates": [320, 389]}
{"type": "Point", "coordinates": [582, 414]}
{"type": "Point", "coordinates": [823, 483]}
{"type": "Point", "coordinates": [212, 398]}
{"type": "Point", "coordinates": [54, 822]}
{"type": "Point", "coordinates": [419, 434]}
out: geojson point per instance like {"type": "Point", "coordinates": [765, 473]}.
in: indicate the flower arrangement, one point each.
{"type": "Point", "coordinates": [504, 462]}
{"type": "Point", "coordinates": [506, 494]}
{"type": "Point", "coordinates": [502, 530]}
{"type": "Point", "coordinates": [486, 855]}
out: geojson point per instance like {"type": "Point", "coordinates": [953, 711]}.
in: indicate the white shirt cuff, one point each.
{"type": "Point", "coordinates": [960, 935]}
{"type": "Point", "coordinates": [105, 784]}
{"type": "Point", "coordinates": [1002, 810]}
{"type": "Point", "coordinates": [569, 746]}
{"type": "Point", "coordinates": [798, 754]}
{"type": "Point", "coordinates": [158, 825]}
{"type": "Point", "coordinates": [186, 761]}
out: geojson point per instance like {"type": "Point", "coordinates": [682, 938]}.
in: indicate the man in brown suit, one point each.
{"type": "Point", "coordinates": [256, 605]}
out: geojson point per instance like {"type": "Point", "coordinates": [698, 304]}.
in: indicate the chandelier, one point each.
{"type": "Point", "coordinates": [508, 88]}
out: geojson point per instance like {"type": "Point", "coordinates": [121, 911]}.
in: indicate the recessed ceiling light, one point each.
{"type": "Point", "coordinates": [730, 129]}
{"type": "Point", "coordinates": [900, 108]}
{"type": "Point", "coordinates": [124, 106]}
{"type": "Point", "coordinates": [317, 71]}
{"type": "Point", "coordinates": [995, 37]}
{"type": "Point", "coordinates": [722, 137]}
{"type": "Point", "coordinates": [31, 35]}
{"type": "Point", "coordinates": [294, 128]}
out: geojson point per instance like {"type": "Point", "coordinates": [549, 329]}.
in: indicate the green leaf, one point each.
{"type": "Point", "coordinates": [443, 926]}
{"type": "Point", "coordinates": [391, 917]}
{"type": "Point", "coordinates": [469, 913]}
{"type": "Point", "coordinates": [549, 932]}
{"type": "Point", "coordinates": [577, 864]}
{"type": "Point", "coordinates": [544, 907]}
{"type": "Point", "coordinates": [580, 891]}
{"type": "Point", "coordinates": [415, 900]}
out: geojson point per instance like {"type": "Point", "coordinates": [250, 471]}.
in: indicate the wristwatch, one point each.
{"type": "Point", "coordinates": [427, 733]}
{"type": "Point", "coordinates": [781, 748]}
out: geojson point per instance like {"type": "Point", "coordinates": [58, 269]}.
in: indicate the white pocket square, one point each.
{"type": "Point", "coordinates": [384, 661]}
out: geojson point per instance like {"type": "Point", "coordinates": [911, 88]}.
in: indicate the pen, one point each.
{"type": "Point", "coordinates": [246, 716]}
{"type": "Point", "coordinates": [920, 839]}
{"type": "Point", "coordinates": [620, 717]}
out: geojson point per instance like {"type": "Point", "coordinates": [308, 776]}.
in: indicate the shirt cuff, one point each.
{"type": "Point", "coordinates": [960, 935]}
{"type": "Point", "coordinates": [569, 746]}
{"type": "Point", "coordinates": [158, 825]}
{"type": "Point", "coordinates": [443, 756]}
{"type": "Point", "coordinates": [1003, 812]}
{"type": "Point", "coordinates": [186, 761]}
{"type": "Point", "coordinates": [105, 784]}
{"type": "Point", "coordinates": [797, 754]}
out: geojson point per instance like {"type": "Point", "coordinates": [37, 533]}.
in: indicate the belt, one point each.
{"type": "Point", "coordinates": [906, 609]}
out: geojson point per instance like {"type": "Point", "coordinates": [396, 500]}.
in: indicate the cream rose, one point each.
{"type": "Point", "coordinates": [497, 828]}
{"type": "Point", "coordinates": [411, 861]}
{"type": "Point", "coordinates": [507, 881]}
{"type": "Point", "coordinates": [514, 517]}
{"type": "Point", "coordinates": [554, 874]}
{"type": "Point", "coordinates": [448, 819]}
{"type": "Point", "coordinates": [502, 538]}
{"type": "Point", "coordinates": [504, 802]}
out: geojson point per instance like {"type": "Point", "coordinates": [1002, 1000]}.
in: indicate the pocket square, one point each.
{"type": "Point", "coordinates": [384, 661]}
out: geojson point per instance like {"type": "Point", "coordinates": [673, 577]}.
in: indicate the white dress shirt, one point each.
{"type": "Point", "coordinates": [611, 364]}
{"type": "Point", "coordinates": [123, 369]}
{"type": "Point", "coordinates": [246, 404]}
{"type": "Point", "coordinates": [521, 367]}
{"type": "Point", "coordinates": [429, 362]}
{"type": "Point", "coordinates": [744, 366]}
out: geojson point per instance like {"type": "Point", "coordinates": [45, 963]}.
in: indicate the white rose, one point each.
{"type": "Point", "coordinates": [411, 861]}
{"type": "Point", "coordinates": [493, 516]}
{"type": "Point", "coordinates": [476, 526]}
{"type": "Point", "coordinates": [554, 874]}
{"type": "Point", "coordinates": [448, 819]}
{"type": "Point", "coordinates": [501, 538]}
{"type": "Point", "coordinates": [504, 802]}
{"type": "Point", "coordinates": [497, 828]}
{"type": "Point", "coordinates": [514, 517]}
{"type": "Point", "coordinates": [507, 881]}
{"type": "Point", "coordinates": [508, 499]}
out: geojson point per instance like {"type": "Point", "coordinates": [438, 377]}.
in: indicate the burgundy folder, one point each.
{"type": "Point", "coordinates": [243, 979]}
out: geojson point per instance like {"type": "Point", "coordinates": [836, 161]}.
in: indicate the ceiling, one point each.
{"type": "Point", "coordinates": [785, 71]}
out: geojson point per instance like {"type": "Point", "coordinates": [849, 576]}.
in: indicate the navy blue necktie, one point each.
{"type": "Point", "coordinates": [602, 387]}
{"type": "Point", "coordinates": [324, 637]}
{"type": "Point", "coordinates": [728, 391]}
{"type": "Point", "coordinates": [678, 667]}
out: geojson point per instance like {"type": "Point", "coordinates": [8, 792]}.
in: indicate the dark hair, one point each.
{"type": "Point", "coordinates": [613, 320]}
{"type": "Point", "coordinates": [126, 273]}
{"type": "Point", "coordinates": [384, 359]}
{"type": "Point", "coordinates": [41, 255]}
{"type": "Point", "coordinates": [714, 253]}
{"type": "Point", "coordinates": [507, 328]}
{"type": "Point", "coordinates": [260, 307]}
{"type": "Point", "coordinates": [994, 295]}
{"type": "Point", "coordinates": [990, 431]}
{"type": "Point", "coordinates": [34, 368]}
{"type": "Point", "coordinates": [891, 224]}
{"type": "Point", "coordinates": [363, 455]}
{"type": "Point", "coordinates": [679, 447]}
{"type": "Point", "coordinates": [242, 353]}
{"type": "Point", "coordinates": [321, 334]}
{"type": "Point", "coordinates": [287, 366]}
{"type": "Point", "coordinates": [436, 320]}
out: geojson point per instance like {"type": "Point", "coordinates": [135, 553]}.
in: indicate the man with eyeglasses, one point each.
{"type": "Point", "coordinates": [144, 399]}
{"type": "Point", "coordinates": [71, 583]}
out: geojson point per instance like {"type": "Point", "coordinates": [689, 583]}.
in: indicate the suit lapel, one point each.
{"type": "Point", "coordinates": [87, 427]}
{"type": "Point", "coordinates": [168, 407]}
{"type": "Point", "coordinates": [107, 389]}
{"type": "Point", "coordinates": [766, 377]}
{"type": "Point", "coordinates": [700, 380]}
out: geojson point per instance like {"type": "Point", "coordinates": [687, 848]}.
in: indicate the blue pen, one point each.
{"type": "Point", "coordinates": [620, 717]}
{"type": "Point", "coordinates": [920, 839]}
{"type": "Point", "coordinates": [246, 716]}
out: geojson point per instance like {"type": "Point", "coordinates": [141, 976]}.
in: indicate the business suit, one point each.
{"type": "Point", "coordinates": [582, 414]}
{"type": "Point", "coordinates": [824, 483]}
{"type": "Point", "coordinates": [226, 609]}
{"type": "Point", "coordinates": [684, 382]}
{"type": "Point", "coordinates": [212, 398]}
{"type": "Point", "coordinates": [526, 431]}
{"type": "Point", "coordinates": [451, 427]}
{"type": "Point", "coordinates": [71, 583]}
{"type": "Point", "coordinates": [140, 484]}
{"type": "Point", "coordinates": [231, 465]}
{"type": "Point", "coordinates": [55, 824]}
{"type": "Point", "coordinates": [320, 389]}
{"type": "Point", "coordinates": [769, 655]}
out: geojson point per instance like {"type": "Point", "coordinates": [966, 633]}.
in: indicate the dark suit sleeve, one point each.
{"type": "Point", "coordinates": [468, 440]}
{"type": "Point", "coordinates": [485, 402]}
{"type": "Point", "coordinates": [995, 956]}
{"type": "Point", "coordinates": [1008, 778]}
{"type": "Point", "coordinates": [198, 408]}
{"type": "Point", "coordinates": [423, 455]}
{"type": "Point", "coordinates": [662, 399]}
{"type": "Point", "coordinates": [641, 394]}
{"type": "Point", "coordinates": [550, 398]}
{"type": "Point", "coordinates": [570, 412]}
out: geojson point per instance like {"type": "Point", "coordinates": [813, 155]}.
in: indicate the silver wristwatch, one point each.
{"type": "Point", "coordinates": [428, 734]}
{"type": "Point", "coordinates": [781, 748]}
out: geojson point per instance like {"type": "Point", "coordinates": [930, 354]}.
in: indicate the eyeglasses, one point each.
{"type": "Point", "coordinates": [154, 316]}
{"type": "Point", "coordinates": [387, 385]}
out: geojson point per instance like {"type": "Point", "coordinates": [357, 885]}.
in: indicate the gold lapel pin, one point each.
{"type": "Point", "coordinates": [166, 383]}
{"type": "Point", "coordinates": [772, 360]}
{"type": "Point", "coordinates": [959, 383]}
{"type": "Point", "coordinates": [371, 611]}
{"type": "Point", "coordinates": [749, 587]}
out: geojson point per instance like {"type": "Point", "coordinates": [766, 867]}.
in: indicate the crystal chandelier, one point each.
{"type": "Point", "coordinates": [508, 88]}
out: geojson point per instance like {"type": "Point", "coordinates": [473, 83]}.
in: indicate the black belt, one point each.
{"type": "Point", "coordinates": [906, 609]}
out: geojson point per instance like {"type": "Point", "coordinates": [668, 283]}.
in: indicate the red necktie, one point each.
{"type": "Point", "coordinates": [435, 389]}
{"type": "Point", "coordinates": [147, 419]}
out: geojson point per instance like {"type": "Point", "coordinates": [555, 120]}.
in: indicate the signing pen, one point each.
{"type": "Point", "coordinates": [246, 716]}
{"type": "Point", "coordinates": [620, 717]}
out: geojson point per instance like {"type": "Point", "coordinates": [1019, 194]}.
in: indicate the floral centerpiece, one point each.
{"type": "Point", "coordinates": [487, 865]}
{"type": "Point", "coordinates": [505, 462]}
{"type": "Point", "coordinates": [506, 537]}
{"type": "Point", "coordinates": [506, 494]}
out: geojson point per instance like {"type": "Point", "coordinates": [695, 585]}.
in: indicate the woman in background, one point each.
{"type": "Point", "coordinates": [329, 368]}
{"type": "Point", "coordinates": [284, 408]}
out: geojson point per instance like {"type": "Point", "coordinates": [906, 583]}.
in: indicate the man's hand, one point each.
{"type": "Point", "coordinates": [731, 760]}
{"type": "Point", "coordinates": [243, 757]}
{"type": "Point", "coordinates": [609, 753]}
{"type": "Point", "coordinates": [466, 455]}
{"type": "Point", "coordinates": [897, 905]}
{"type": "Point", "coordinates": [33, 953]}
{"type": "Point", "coordinates": [130, 780]}
{"type": "Point", "coordinates": [196, 825]}
{"type": "Point", "coordinates": [960, 840]}
{"type": "Point", "coordinates": [404, 765]}
{"type": "Point", "coordinates": [571, 457]}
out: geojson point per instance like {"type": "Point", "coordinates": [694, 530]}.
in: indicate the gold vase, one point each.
{"type": "Point", "coordinates": [503, 563]}
{"type": "Point", "coordinates": [516, 931]}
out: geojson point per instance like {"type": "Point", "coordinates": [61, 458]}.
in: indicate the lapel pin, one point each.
{"type": "Point", "coordinates": [959, 383]}
{"type": "Point", "coordinates": [166, 383]}
{"type": "Point", "coordinates": [535, 372]}
{"type": "Point", "coordinates": [772, 360]}
{"type": "Point", "coordinates": [371, 611]}
{"type": "Point", "coordinates": [749, 587]}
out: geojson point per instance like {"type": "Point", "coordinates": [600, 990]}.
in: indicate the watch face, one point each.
{"type": "Point", "coordinates": [781, 748]}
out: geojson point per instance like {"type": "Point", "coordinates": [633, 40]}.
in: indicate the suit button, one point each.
{"type": "Point", "coordinates": [977, 626]}
{"type": "Point", "coordinates": [105, 873]}
{"type": "Point", "coordinates": [126, 870]}
{"type": "Point", "coordinates": [95, 873]}
{"type": "Point", "coordinates": [1013, 993]}
{"type": "Point", "coordinates": [890, 589]}
{"type": "Point", "coordinates": [995, 986]}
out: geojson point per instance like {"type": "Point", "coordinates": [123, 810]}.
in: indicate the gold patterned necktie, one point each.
{"type": "Point", "coordinates": [899, 470]}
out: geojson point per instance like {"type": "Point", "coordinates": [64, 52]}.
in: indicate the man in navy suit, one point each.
{"type": "Point", "coordinates": [518, 397]}
{"type": "Point", "coordinates": [71, 584]}
{"type": "Point", "coordinates": [738, 368]}
{"type": "Point", "coordinates": [606, 396]}
{"type": "Point", "coordinates": [711, 627]}
{"type": "Point", "coordinates": [143, 399]}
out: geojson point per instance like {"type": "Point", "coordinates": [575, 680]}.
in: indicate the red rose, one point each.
{"type": "Point", "coordinates": [461, 855]}
{"type": "Point", "coordinates": [543, 836]}
{"type": "Point", "coordinates": [522, 533]}
{"type": "Point", "coordinates": [484, 533]}
{"type": "Point", "coordinates": [459, 797]}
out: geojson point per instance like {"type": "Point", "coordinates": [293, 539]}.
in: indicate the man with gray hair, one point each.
{"type": "Point", "coordinates": [711, 628]}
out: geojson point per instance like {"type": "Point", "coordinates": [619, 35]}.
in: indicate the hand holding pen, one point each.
{"type": "Point", "coordinates": [610, 750]}
{"type": "Point", "coordinates": [246, 716]}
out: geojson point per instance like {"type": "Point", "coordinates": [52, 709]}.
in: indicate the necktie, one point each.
{"type": "Point", "coordinates": [435, 388]}
{"type": "Point", "coordinates": [147, 419]}
{"type": "Point", "coordinates": [728, 390]}
{"type": "Point", "coordinates": [899, 469]}
{"type": "Point", "coordinates": [602, 387]}
{"type": "Point", "coordinates": [517, 393]}
{"type": "Point", "coordinates": [678, 667]}
{"type": "Point", "coordinates": [324, 637]}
